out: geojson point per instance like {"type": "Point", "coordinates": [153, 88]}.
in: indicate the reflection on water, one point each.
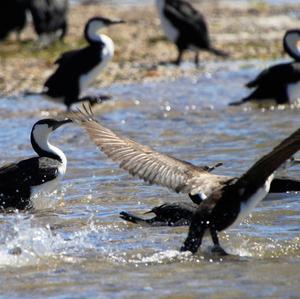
{"type": "Point", "coordinates": [78, 247]}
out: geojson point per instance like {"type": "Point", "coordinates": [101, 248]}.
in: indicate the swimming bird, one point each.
{"type": "Point", "coordinates": [155, 168]}
{"type": "Point", "coordinates": [21, 181]}
{"type": "Point", "coordinates": [230, 203]}
{"type": "Point", "coordinates": [280, 82]}
{"type": "Point", "coordinates": [186, 27]}
{"type": "Point", "coordinates": [12, 17]}
{"type": "Point", "coordinates": [49, 18]}
{"type": "Point", "coordinates": [78, 68]}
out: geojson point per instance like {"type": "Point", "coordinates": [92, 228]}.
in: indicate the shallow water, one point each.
{"type": "Point", "coordinates": [75, 245]}
{"type": "Point", "coordinates": [139, 2]}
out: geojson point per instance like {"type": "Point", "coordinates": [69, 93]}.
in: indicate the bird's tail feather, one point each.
{"type": "Point", "coordinates": [238, 103]}
{"type": "Point", "coordinates": [218, 52]}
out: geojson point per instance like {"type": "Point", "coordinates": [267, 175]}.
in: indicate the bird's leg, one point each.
{"type": "Point", "coordinates": [179, 57]}
{"type": "Point", "coordinates": [217, 247]}
{"type": "Point", "coordinates": [194, 239]}
{"type": "Point", "coordinates": [197, 59]}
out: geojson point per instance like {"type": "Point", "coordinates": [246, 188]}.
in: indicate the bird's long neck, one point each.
{"type": "Point", "coordinates": [41, 145]}
{"type": "Point", "coordinates": [91, 34]}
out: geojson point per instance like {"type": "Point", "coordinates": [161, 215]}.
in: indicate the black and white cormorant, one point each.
{"type": "Point", "coordinates": [78, 68]}
{"type": "Point", "coordinates": [49, 18]}
{"type": "Point", "coordinates": [281, 82]}
{"type": "Point", "coordinates": [164, 170]}
{"type": "Point", "coordinates": [233, 201]}
{"type": "Point", "coordinates": [186, 27]}
{"type": "Point", "coordinates": [21, 181]}
{"type": "Point", "coordinates": [12, 17]}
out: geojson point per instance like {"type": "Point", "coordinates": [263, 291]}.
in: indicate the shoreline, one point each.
{"type": "Point", "coordinates": [249, 31]}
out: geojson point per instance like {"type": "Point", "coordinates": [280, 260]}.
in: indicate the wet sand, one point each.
{"type": "Point", "coordinates": [246, 31]}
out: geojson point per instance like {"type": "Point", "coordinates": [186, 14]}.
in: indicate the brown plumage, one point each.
{"type": "Point", "coordinates": [156, 168]}
{"type": "Point", "coordinates": [149, 165]}
{"type": "Point", "coordinates": [229, 204]}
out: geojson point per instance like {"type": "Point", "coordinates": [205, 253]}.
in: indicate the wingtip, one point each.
{"type": "Point", "coordinates": [82, 115]}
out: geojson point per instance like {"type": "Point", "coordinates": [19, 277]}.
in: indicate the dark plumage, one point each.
{"type": "Point", "coordinates": [227, 205]}
{"type": "Point", "coordinates": [164, 170]}
{"type": "Point", "coordinates": [49, 17]}
{"type": "Point", "coordinates": [12, 17]}
{"type": "Point", "coordinates": [273, 84]}
{"type": "Point", "coordinates": [280, 82]}
{"type": "Point", "coordinates": [21, 180]}
{"type": "Point", "coordinates": [78, 68]}
{"type": "Point", "coordinates": [181, 213]}
{"type": "Point", "coordinates": [291, 43]}
{"type": "Point", "coordinates": [169, 214]}
{"type": "Point", "coordinates": [186, 27]}
{"type": "Point", "coordinates": [17, 179]}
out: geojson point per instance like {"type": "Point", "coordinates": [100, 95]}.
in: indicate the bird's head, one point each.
{"type": "Point", "coordinates": [48, 125]}
{"type": "Point", "coordinates": [291, 43]}
{"type": "Point", "coordinates": [96, 23]}
{"type": "Point", "coordinates": [41, 131]}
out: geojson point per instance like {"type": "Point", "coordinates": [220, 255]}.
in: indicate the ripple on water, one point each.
{"type": "Point", "coordinates": [80, 246]}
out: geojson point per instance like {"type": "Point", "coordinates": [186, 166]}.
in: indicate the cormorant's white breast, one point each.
{"type": "Point", "coordinates": [20, 181]}
{"type": "Point", "coordinates": [78, 68]}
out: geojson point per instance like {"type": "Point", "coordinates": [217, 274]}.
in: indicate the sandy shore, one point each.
{"type": "Point", "coordinates": [247, 31]}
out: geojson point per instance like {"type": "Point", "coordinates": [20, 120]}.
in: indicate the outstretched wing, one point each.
{"type": "Point", "coordinates": [265, 166]}
{"type": "Point", "coordinates": [147, 164]}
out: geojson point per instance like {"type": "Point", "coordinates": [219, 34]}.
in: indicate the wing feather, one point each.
{"type": "Point", "coordinates": [147, 164]}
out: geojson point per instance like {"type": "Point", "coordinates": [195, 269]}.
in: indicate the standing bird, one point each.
{"type": "Point", "coordinates": [12, 17]}
{"type": "Point", "coordinates": [164, 170]}
{"type": "Point", "coordinates": [186, 27]}
{"type": "Point", "coordinates": [49, 18]}
{"type": "Point", "coordinates": [281, 82]}
{"type": "Point", "coordinates": [20, 181]}
{"type": "Point", "coordinates": [78, 68]}
{"type": "Point", "coordinates": [230, 203]}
